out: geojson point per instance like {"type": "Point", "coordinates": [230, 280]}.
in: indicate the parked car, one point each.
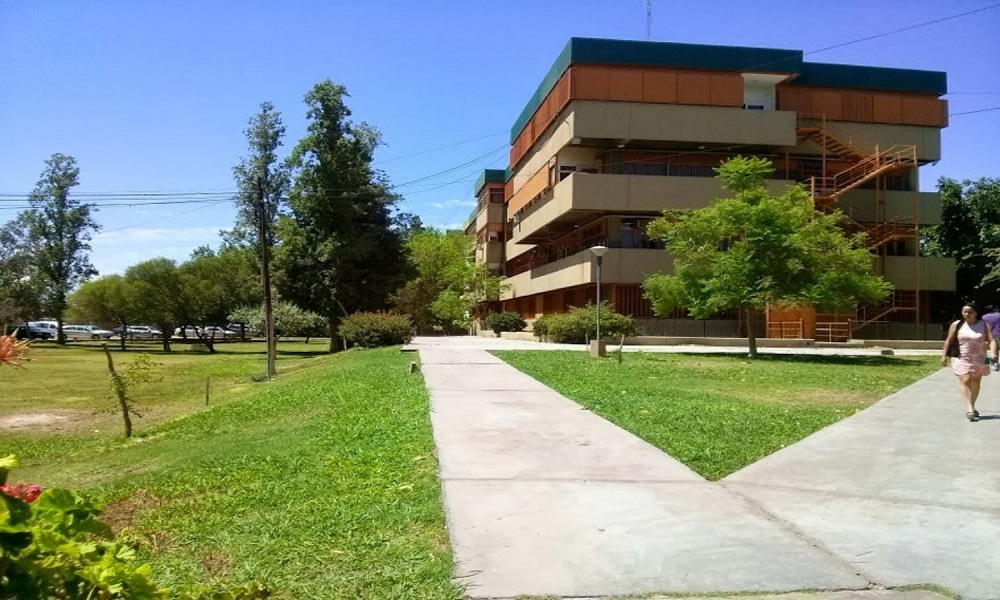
{"type": "Point", "coordinates": [188, 331]}
{"type": "Point", "coordinates": [37, 330]}
{"type": "Point", "coordinates": [136, 332]}
{"type": "Point", "coordinates": [42, 329]}
{"type": "Point", "coordinates": [247, 331]}
{"type": "Point", "coordinates": [86, 332]}
{"type": "Point", "coordinates": [218, 333]}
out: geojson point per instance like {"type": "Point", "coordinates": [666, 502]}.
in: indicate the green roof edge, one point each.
{"type": "Point", "coordinates": [727, 58]}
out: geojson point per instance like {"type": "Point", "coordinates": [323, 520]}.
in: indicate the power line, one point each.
{"type": "Point", "coordinates": [972, 112]}
{"type": "Point", "coordinates": [908, 28]}
{"type": "Point", "coordinates": [428, 151]}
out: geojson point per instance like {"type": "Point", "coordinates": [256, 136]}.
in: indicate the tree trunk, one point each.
{"type": "Point", "coordinates": [751, 335]}
{"type": "Point", "coordinates": [167, 329]}
{"type": "Point", "coordinates": [333, 337]}
{"type": "Point", "coordinates": [119, 385]}
{"type": "Point", "coordinates": [60, 336]}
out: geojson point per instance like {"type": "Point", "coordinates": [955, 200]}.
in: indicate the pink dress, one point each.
{"type": "Point", "coordinates": [972, 347]}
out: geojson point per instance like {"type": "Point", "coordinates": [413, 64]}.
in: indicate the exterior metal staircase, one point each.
{"type": "Point", "coordinates": [866, 163]}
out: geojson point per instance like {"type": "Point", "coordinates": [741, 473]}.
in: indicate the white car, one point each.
{"type": "Point", "coordinates": [188, 332]}
{"type": "Point", "coordinates": [43, 329]}
{"type": "Point", "coordinates": [218, 333]}
{"type": "Point", "coordinates": [86, 332]}
{"type": "Point", "coordinates": [142, 332]}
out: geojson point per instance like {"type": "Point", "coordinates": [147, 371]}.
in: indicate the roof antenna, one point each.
{"type": "Point", "coordinates": [649, 20]}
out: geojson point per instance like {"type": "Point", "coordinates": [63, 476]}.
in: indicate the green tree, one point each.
{"type": "Point", "coordinates": [289, 320]}
{"type": "Point", "coordinates": [754, 249]}
{"type": "Point", "coordinates": [166, 300]}
{"type": "Point", "coordinates": [970, 233]}
{"type": "Point", "coordinates": [110, 299]}
{"type": "Point", "coordinates": [216, 285]}
{"type": "Point", "coordinates": [442, 272]}
{"type": "Point", "coordinates": [262, 182]}
{"type": "Point", "coordinates": [22, 291]}
{"type": "Point", "coordinates": [340, 251]}
{"type": "Point", "coordinates": [59, 230]}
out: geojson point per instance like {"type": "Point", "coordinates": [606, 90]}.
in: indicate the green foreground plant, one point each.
{"type": "Point", "coordinates": [52, 545]}
{"type": "Point", "coordinates": [719, 413]}
{"type": "Point", "coordinates": [505, 321]}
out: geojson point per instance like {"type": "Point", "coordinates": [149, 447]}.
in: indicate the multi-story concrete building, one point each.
{"type": "Point", "coordinates": [618, 131]}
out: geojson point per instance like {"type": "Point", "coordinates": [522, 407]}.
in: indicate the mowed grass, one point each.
{"type": "Point", "coordinates": [717, 413]}
{"type": "Point", "coordinates": [321, 484]}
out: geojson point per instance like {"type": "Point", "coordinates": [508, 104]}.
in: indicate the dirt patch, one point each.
{"type": "Point", "coordinates": [216, 562]}
{"type": "Point", "coordinates": [125, 512]}
{"type": "Point", "coordinates": [50, 420]}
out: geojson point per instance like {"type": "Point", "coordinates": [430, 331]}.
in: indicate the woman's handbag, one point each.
{"type": "Point", "coordinates": [953, 350]}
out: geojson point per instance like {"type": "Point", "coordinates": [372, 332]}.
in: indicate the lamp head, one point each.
{"type": "Point", "coordinates": [599, 250]}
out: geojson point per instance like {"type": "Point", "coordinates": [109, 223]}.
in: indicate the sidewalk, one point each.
{"type": "Point", "coordinates": [544, 498]}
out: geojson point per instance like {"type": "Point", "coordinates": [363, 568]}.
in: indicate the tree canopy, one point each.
{"type": "Point", "coordinates": [755, 249]}
{"type": "Point", "coordinates": [339, 251]}
{"type": "Point", "coordinates": [970, 233]}
{"type": "Point", "coordinates": [58, 232]}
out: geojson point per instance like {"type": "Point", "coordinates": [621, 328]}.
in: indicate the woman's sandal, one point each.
{"type": "Point", "coordinates": [972, 416]}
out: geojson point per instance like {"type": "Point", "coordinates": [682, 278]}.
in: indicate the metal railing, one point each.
{"type": "Point", "coordinates": [786, 330]}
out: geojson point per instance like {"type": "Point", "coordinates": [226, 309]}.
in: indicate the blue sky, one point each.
{"type": "Point", "coordinates": [154, 96]}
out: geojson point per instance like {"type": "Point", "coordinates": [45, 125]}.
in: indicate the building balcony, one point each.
{"type": "Point", "coordinates": [912, 208]}
{"type": "Point", "coordinates": [620, 265]}
{"type": "Point", "coordinates": [920, 273]}
{"type": "Point", "coordinates": [582, 196]}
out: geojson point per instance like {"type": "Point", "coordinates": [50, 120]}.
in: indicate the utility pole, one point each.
{"type": "Point", "coordinates": [649, 20]}
{"type": "Point", "coordinates": [265, 259]}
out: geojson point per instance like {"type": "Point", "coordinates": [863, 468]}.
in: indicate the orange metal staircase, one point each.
{"type": "Point", "coordinates": [867, 163]}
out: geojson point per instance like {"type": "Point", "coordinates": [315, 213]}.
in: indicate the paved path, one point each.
{"type": "Point", "coordinates": [544, 497]}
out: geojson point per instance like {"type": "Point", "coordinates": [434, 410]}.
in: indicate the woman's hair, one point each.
{"type": "Point", "coordinates": [974, 306]}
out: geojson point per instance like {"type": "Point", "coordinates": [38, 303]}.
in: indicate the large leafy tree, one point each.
{"type": "Point", "coordinates": [970, 233]}
{"type": "Point", "coordinates": [58, 230]}
{"type": "Point", "coordinates": [166, 299]}
{"type": "Point", "coordinates": [442, 272]}
{"type": "Point", "coordinates": [754, 249]}
{"type": "Point", "coordinates": [262, 181]}
{"type": "Point", "coordinates": [216, 284]}
{"type": "Point", "coordinates": [22, 291]}
{"type": "Point", "coordinates": [110, 299]}
{"type": "Point", "coordinates": [339, 250]}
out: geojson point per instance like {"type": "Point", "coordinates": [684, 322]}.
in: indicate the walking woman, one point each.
{"type": "Point", "coordinates": [973, 336]}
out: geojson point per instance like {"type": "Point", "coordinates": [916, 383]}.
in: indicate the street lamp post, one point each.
{"type": "Point", "coordinates": [599, 253]}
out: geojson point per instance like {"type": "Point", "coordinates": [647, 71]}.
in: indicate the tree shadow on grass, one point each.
{"type": "Point", "coordinates": [817, 359]}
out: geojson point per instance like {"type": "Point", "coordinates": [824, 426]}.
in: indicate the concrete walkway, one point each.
{"type": "Point", "coordinates": [545, 498]}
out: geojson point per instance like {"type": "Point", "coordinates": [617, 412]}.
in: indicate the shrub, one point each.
{"type": "Point", "coordinates": [540, 326]}
{"type": "Point", "coordinates": [370, 330]}
{"type": "Point", "coordinates": [505, 321]}
{"type": "Point", "coordinates": [580, 324]}
{"type": "Point", "coordinates": [53, 546]}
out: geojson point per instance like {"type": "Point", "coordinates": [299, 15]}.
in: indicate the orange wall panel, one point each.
{"type": "Point", "coordinates": [924, 111]}
{"type": "Point", "coordinates": [625, 85]}
{"type": "Point", "coordinates": [590, 83]}
{"type": "Point", "coordinates": [887, 108]}
{"type": "Point", "coordinates": [726, 90]}
{"type": "Point", "coordinates": [694, 88]}
{"type": "Point", "coordinates": [827, 102]}
{"type": "Point", "coordinates": [857, 106]}
{"type": "Point", "coordinates": [659, 86]}
{"type": "Point", "coordinates": [790, 98]}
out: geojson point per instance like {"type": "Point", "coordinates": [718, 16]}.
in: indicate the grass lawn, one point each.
{"type": "Point", "coordinates": [321, 484]}
{"type": "Point", "coordinates": [718, 413]}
